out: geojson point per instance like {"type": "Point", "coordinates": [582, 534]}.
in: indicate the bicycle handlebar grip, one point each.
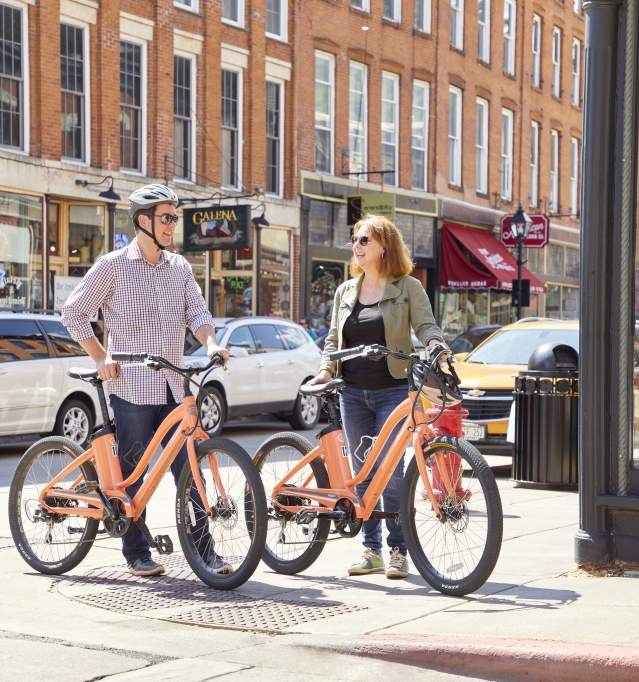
{"type": "Point", "coordinates": [128, 357]}
{"type": "Point", "coordinates": [339, 354]}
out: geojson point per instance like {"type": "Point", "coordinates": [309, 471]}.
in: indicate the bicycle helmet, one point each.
{"type": "Point", "coordinates": [439, 387]}
{"type": "Point", "coordinates": [146, 197]}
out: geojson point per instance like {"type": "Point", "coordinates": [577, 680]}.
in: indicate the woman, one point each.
{"type": "Point", "coordinates": [379, 305]}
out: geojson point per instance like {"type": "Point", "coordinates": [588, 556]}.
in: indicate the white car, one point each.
{"type": "Point", "coordinates": [270, 359]}
{"type": "Point", "coordinates": [36, 395]}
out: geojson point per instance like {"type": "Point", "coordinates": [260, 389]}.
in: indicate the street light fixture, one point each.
{"type": "Point", "coordinates": [520, 226]}
{"type": "Point", "coordinates": [111, 196]}
{"type": "Point", "coordinates": [258, 223]}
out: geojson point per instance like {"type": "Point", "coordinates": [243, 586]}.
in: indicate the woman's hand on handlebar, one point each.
{"type": "Point", "coordinates": [323, 377]}
{"type": "Point", "coordinates": [439, 349]}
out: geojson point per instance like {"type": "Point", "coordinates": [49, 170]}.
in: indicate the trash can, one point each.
{"type": "Point", "coordinates": [546, 419]}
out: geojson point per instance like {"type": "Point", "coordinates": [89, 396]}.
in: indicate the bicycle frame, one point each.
{"type": "Point", "coordinates": [104, 456]}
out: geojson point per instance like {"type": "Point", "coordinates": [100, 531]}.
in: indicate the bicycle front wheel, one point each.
{"type": "Point", "coordinates": [50, 543]}
{"type": "Point", "coordinates": [225, 548]}
{"type": "Point", "coordinates": [456, 553]}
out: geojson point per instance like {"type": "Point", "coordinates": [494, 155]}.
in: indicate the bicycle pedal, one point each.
{"type": "Point", "coordinates": [86, 487]}
{"type": "Point", "coordinates": [163, 544]}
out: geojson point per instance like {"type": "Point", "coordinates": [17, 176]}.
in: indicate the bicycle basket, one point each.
{"type": "Point", "coordinates": [438, 387]}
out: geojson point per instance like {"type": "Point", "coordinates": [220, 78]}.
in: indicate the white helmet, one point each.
{"type": "Point", "coordinates": [150, 195]}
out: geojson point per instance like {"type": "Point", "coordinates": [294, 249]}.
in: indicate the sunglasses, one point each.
{"type": "Point", "coordinates": [168, 218]}
{"type": "Point", "coordinates": [363, 240]}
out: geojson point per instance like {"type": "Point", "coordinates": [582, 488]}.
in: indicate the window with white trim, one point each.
{"type": "Point", "coordinates": [554, 171]}
{"type": "Point", "coordinates": [555, 87]}
{"type": "Point", "coordinates": [419, 144]}
{"type": "Point", "coordinates": [14, 71]}
{"type": "Point", "coordinates": [274, 136]}
{"type": "Point", "coordinates": [536, 51]}
{"type": "Point", "coordinates": [75, 103]}
{"type": "Point", "coordinates": [510, 32]}
{"type": "Point", "coordinates": [276, 19]}
{"type": "Point", "coordinates": [191, 5]}
{"type": "Point", "coordinates": [357, 117]}
{"type": "Point", "coordinates": [483, 31]}
{"type": "Point", "coordinates": [481, 145]}
{"type": "Point", "coordinates": [364, 5]}
{"type": "Point", "coordinates": [231, 127]}
{"type": "Point", "coordinates": [457, 24]}
{"type": "Point", "coordinates": [574, 176]}
{"type": "Point", "coordinates": [132, 105]}
{"type": "Point", "coordinates": [233, 12]}
{"type": "Point", "coordinates": [324, 111]}
{"type": "Point", "coordinates": [534, 164]}
{"type": "Point", "coordinates": [183, 117]}
{"type": "Point", "coordinates": [454, 135]}
{"type": "Point", "coordinates": [422, 16]}
{"type": "Point", "coordinates": [576, 72]}
{"type": "Point", "coordinates": [390, 127]}
{"type": "Point", "coordinates": [507, 118]}
{"type": "Point", "coordinates": [393, 10]}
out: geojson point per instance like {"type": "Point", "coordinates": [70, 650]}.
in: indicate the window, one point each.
{"type": "Point", "coordinates": [536, 51]}
{"type": "Point", "coordinates": [483, 31]}
{"type": "Point", "coordinates": [393, 10]}
{"type": "Point", "coordinates": [554, 171]}
{"type": "Point", "coordinates": [457, 24]}
{"type": "Point", "coordinates": [14, 71]}
{"type": "Point", "coordinates": [274, 133]}
{"type": "Point", "coordinates": [187, 4]}
{"type": "Point", "coordinates": [132, 106]}
{"type": "Point", "coordinates": [292, 336]}
{"type": "Point", "coordinates": [357, 117]}
{"type": "Point", "coordinates": [62, 341]}
{"type": "Point", "coordinates": [276, 12]}
{"type": "Point", "coordinates": [506, 190]}
{"type": "Point", "coordinates": [510, 31]}
{"type": "Point", "coordinates": [420, 135]}
{"type": "Point", "coordinates": [21, 340]}
{"type": "Point", "coordinates": [324, 111]}
{"type": "Point", "coordinates": [74, 93]}
{"type": "Point", "coordinates": [267, 338]}
{"type": "Point", "coordinates": [242, 338]}
{"type": "Point", "coordinates": [422, 16]}
{"type": "Point", "coordinates": [534, 164]}
{"type": "Point", "coordinates": [231, 128]}
{"type": "Point", "coordinates": [183, 115]}
{"type": "Point", "coordinates": [233, 12]}
{"type": "Point", "coordinates": [364, 5]}
{"type": "Point", "coordinates": [390, 126]}
{"type": "Point", "coordinates": [576, 72]}
{"type": "Point", "coordinates": [481, 146]}
{"type": "Point", "coordinates": [454, 135]}
{"type": "Point", "coordinates": [556, 62]}
{"type": "Point", "coordinates": [574, 176]}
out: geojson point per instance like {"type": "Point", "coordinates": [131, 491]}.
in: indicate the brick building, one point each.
{"type": "Point", "coordinates": [278, 101]}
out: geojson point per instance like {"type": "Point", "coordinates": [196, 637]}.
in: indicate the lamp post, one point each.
{"type": "Point", "coordinates": [258, 223]}
{"type": "Point", "coordinates": [519, 225]}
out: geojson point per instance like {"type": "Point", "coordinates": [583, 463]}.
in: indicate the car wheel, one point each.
{"type": "Point", "coordinates": [306, 413]}
{"type": "Point", "coordinates": [212, 411]}
{"type": "Point", "coordinates": [74, 422]}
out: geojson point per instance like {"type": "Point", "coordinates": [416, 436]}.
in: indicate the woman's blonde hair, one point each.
{"type": "Point", "coordinates": [396, 261]}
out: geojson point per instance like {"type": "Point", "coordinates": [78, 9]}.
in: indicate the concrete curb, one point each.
{"type": "Point", "coordinates": [500, 658]}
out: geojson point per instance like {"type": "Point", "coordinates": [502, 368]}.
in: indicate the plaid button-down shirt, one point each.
{"type": "Point", "coordinates": [146, 309]}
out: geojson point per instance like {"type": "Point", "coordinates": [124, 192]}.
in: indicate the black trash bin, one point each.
{"type": "Point", "coordinates": [546, 419]}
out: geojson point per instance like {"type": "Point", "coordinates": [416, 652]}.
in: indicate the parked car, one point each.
{"type": "Point", "coordinates": [270, 359]}
{"type": "Point", "coordinates": [488, 374]}
{"type": "Point", "coordinates": [36, 395]}
{"type": "Point", "coordinates": [472, 337]}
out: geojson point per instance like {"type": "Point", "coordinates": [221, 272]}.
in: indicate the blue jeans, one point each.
{"type": "Point", "coordinates": [363, 414]}
{"type": "Point", "coordinates": [135, 426]}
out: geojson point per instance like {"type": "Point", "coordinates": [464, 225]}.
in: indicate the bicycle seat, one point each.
{"type": "Point", "coordinates": [321, 389]}
{"type": "Point", "coordinates": [83, 373]}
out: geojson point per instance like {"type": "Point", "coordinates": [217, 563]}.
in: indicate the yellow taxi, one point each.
{"type": "Point", "coordinates": [488, 375]}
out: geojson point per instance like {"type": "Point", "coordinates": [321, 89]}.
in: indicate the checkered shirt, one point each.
{"type": "Point", "coordinates": [146, 309]}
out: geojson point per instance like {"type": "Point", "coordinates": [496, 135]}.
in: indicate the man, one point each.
{"type": "Point", "coordinates": [148, 296]}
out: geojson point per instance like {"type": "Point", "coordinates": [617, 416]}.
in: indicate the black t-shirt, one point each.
{"type": "Point", "coordinates": [365, 325]}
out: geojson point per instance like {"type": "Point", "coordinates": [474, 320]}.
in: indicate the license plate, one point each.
{"type": "Point", "coordinates": [473, 431]}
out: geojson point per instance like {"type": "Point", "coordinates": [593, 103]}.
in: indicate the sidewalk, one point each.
{"type": "Point", "coordinates": [530, 621]}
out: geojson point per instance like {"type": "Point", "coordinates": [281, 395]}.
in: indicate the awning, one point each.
{"type": "Point", "coordinates": [496, 268]}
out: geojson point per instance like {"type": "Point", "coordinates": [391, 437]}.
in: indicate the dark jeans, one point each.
{"type": "Point", "coordinates": [363, 414]}
{"type": "Point", "coordinates": [135, 425]}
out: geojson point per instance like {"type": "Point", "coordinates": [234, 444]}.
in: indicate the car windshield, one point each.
{"type": "Point", "coordinates": [193, 347]}
{"type": "Point", "coordinates": [515, 346]}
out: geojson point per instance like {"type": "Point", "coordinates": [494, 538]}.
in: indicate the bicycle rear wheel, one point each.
{"type": "Point", "coordinates": [50, 543]}
{"type": "Point", "coordinates": [233, 537]}
{"type": "Point", "coordinates": [291, 547]}
{"type": "Point", "coordinates": [456, 554]}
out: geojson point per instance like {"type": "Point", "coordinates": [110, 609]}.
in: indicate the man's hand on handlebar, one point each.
{"type": "Point", "coordinates": [212, 348]}
{"type": "Point", "coordinates": [107, 368]}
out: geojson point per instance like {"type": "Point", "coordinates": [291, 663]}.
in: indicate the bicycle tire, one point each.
{"type": "Point", "coordinates": [250, 493]}
{"type": "Point", "coordinates": [322, 526]}
{"type": "Point", "coordinates": [84, 542]}
{"type": "Point", "coordinates": [455, 573]}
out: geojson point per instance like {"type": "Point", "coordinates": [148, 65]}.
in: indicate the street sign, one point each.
{"type": "Point", "coordinates": [537, 234]}
{"type": "Point", "coordinates": [525, 293]}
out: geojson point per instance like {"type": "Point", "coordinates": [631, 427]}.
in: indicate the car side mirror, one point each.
{"type": "Point", "coordinates": [238, 352]}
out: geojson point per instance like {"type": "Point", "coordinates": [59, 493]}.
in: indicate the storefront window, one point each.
{"type": "Point", "coordinates": [326, 276]}
{"type": "Point", "coordinates": [275, 273]}
{"type": "Point", "coordinates": [124, 232]}
{"type": "Point", "coordinates": [238, 259]}
{"type": "Point", "coordinates": [86, 237]}
{"type": "Point", "coordinates": [321, 223]}
{"type": "Point", "coordinates": [462, 309]}
{"type": "Point", "coordinates": [20, 251]}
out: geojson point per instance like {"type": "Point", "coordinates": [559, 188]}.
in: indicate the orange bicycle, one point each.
{"type": "Point", "coordinates": [59, 494]}
{"type": "Point", "coordinates": [450, 512]}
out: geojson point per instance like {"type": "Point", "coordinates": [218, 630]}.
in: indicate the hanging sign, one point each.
{"type": "Point", "coordinates": [213, 228]}
{"type": "Point", "coordinates": [537, 233]}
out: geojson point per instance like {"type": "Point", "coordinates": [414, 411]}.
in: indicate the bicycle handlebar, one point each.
{"type": "Point", "coordinates": [157, 362]}
{"type": "Point", "coordinates": [129, 357]}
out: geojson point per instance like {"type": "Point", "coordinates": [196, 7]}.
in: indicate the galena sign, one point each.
{"type": "Point", "coordinates": [213, 228]}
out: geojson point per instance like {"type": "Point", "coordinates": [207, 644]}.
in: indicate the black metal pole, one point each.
{"type": "Point", "coordinates": [257, 252]}
{"type": "Point", "coordinates": [520, 262]}
{"type": "Point", "coordinates": [111, 226]}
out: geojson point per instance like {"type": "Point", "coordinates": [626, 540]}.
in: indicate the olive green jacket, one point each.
{"type": "Point", "coordinates": [404, 304]}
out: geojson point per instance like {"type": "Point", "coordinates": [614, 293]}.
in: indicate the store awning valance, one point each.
{"type": "Point", "coordinates": [496, 267]}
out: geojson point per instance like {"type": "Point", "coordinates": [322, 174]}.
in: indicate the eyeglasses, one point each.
{"type": "Point", "coordinates": [363, 240]}
{"type": "Point", "coordinates": [168, 218]}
